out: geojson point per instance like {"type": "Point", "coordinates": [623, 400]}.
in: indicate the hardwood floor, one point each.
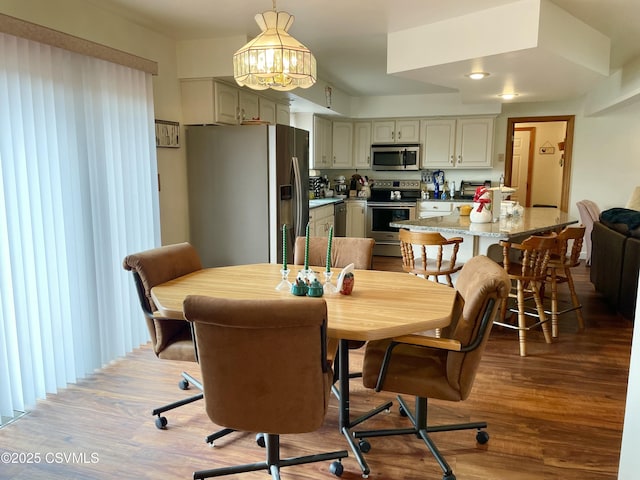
{"type": "Point", "coordinates": [556, 414]}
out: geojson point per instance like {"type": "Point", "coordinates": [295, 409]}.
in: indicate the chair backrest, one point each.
{"type": "Point", "coordinates": [535, 254]}
{"type": "Point", "coordinates": [264, 362]}
{"type": "Point", "coordinates": [574, 236]}
{"type": "Point", "coordinates": [589, 214]}
{"type": "Point", "coordinates": [344, 250]}
{"type": "Point", "coordinates": [588, 210]}
{"type": "Point", "coordinates": [421, 241]}
{"type": "Point", "coordinates": [156, 266]}
{"type": "Point", "coordinates": [480, 287]}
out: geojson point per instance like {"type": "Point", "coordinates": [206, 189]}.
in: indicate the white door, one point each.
{"type": "Point", "coordinates": [520, 165]}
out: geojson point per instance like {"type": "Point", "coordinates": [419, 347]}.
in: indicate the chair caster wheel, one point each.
{"type": "Point", "coordinates": [365, 446]}
{"type": "Point", "coordinates": [449, 476]}
{"type": "Point", "coordinates": [183, 384]}
{"type": "Point", "coordinates": [482, 437]}
{"type": "Point", "coordinates": [161, 423]}
{"type": "Point", "coordinates": [402, 411]}
{"type": "Point", "coordinates": [336, 468]}
{"type": "Point", "coordinates": [260, 440]}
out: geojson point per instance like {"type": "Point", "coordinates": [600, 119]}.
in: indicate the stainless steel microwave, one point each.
{"type": "Point", "coordinates": [395, 157]}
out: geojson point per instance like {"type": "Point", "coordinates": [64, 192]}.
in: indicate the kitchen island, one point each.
{"type": "Point", "coordinates": [478, 236]}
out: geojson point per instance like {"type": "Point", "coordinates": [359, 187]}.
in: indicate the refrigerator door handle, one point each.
{"type": "Point", "coordinates": [297, 179]}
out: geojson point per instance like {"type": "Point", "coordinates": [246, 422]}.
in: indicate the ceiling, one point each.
{"type": "Point", "coordinates": [349, 41]}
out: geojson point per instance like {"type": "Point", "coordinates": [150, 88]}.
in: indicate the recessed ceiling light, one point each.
{"type": "Point", "coordinates": [477, 75]}
{"type": "Point", "coordinates": [508, 96]}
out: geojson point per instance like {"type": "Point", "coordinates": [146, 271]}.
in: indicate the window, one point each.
{"type": "Point", "coordinates": [78, 193]}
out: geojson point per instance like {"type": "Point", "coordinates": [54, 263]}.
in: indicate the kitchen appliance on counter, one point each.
{"type": "Point", "coordinates": [244, 183]}
{"type": "Point", "coordinates": [317, 186]}
{"type": "Point", "coordinates": [396, 156]}
{"type": "Point", "coordinates": [468, 188]}
{"type": "Point", "coordinates": [341, 187]}
{"type": "Point", "coordinates": [391, 200]}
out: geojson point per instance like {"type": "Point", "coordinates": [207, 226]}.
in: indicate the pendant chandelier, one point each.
{"type": "Point", "coordinates": [274, 59]}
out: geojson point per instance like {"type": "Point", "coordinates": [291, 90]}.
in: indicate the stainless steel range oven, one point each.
{"type": "Point", "coordinates": [391, 200]}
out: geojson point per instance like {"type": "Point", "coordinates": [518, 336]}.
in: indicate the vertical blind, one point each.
{"type": "Point", "coordinates": [78, 193]}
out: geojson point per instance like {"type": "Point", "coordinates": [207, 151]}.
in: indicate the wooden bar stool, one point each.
{"type": "Point", "coordinates": [527, 278]}
{"type": "Point", "coordinates": [437, 261]}
{"type": "Point", "coordinates": [559, 271]}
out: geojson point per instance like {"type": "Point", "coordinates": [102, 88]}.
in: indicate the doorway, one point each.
{"type": "Point", "coordinates": [538, 160]}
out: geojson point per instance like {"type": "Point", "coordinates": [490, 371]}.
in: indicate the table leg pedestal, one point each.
{"type": "Point", "coordinates": [345, 418]}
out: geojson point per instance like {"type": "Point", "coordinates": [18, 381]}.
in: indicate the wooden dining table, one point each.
{"type": "Point", "coordinates": [381, 305]}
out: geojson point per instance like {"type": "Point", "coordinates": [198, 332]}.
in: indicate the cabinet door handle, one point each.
{"type": "Point", "coordinates": [451, 160]}
{"type": "Point", "coordinates": [459, 158]}
{"type": "Point", "coordinates": [399, 135]}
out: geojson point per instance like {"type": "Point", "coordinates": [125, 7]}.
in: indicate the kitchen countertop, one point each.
{"type": "Point", "coordinates": [320, 202]}
{"type": "Point", "coordinates": [533, 220]}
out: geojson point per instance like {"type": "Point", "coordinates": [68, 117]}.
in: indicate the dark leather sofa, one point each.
{"type": "Point", "coordinates": [615, 258]}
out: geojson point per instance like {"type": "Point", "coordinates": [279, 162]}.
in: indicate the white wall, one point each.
{"type": "Point", "coordinates": [606, 150]}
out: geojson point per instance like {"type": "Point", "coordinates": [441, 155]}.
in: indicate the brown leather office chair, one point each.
{"type": "Point", "coordinates": [264, 369]}
{"type": "Point", "coordinates": [438, 255]}
{"type": "Point", "coordinates": [443, 368]}
{"type": "Point", "coordinates": [527, 278]}
{"type": "Point", "coordinates": [344, 250]}
{"type": "Point", "coordinates": [171, 339]}
{"type": "Point", "coordinates": [566, 257]}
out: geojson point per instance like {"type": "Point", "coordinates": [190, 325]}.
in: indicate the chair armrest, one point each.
{"type": "Point", "coordinates": [419, 340]}
{"type": "Point", "coordinates": [433, 342]}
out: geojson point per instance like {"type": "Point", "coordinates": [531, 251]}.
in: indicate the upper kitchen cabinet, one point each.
{"type": "Point", "coordinates": [362, 144]}
{"type": "Point", "coordinates": [342, 143]}
{"type": "Point", "coordinates": [283, 114]}
{"type": "Point", "coordinates": [207, 102]}
{"type": "Point", "coordinates": [457, 143]}
{"type": "Point", "coordinates": [396, 131]}
{"type": "Point", "coordinates": [322, 143]}
{"type": "Point", "coordinates": [225, 104]}
{"type": "Point", "coordinates": [249, 106]}
{"type": "Point", "coordinates": [267, 110]}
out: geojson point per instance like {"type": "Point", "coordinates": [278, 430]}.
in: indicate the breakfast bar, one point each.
{"type": "Point", "coordinates": [478, 236]}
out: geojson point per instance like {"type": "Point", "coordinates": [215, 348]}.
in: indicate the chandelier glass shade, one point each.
{"type": "Point", "coordinates": [274, 59]}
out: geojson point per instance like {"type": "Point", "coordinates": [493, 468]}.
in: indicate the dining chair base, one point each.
{"type": "Point", "coordinates": [421, 430]}
{"type": "Point", "coordinates": [274, 463]}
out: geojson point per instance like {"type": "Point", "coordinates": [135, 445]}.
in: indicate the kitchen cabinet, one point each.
{"type": "Point", "coordinates": [205, 102]}
{"type": "Point", "coordinates": [433, 208]}
{"type": "Point", "coordinates": [356, 218]}
{"type": "Point", "coordinates": [342, 144]}
{"type": "Point", "coordinates": [283, 114]}
{"type": "Point", "coordinates": [267, 109]}
{"type": "Point", "coordinates": [322, 143]}
{"type": "Point", "coordinates": [396, 131]}
{"type": "Point", "coordinates": [249, 106]}
{"type": "Point", "coordinates": [362, 144]}
{"type": "Point", "coordinates": [457, 143]}
{"type": "Point", "coordinates": [225, 104]}
{"type": "Point", "coordinates": [320, 220]}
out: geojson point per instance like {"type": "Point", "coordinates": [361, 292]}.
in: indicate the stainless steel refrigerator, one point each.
{"type": "Point", "coordinates": [244, 183]}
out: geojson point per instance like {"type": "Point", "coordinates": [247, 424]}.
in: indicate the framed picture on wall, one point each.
{"type": "Point", "coordinates": [167, 134]}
